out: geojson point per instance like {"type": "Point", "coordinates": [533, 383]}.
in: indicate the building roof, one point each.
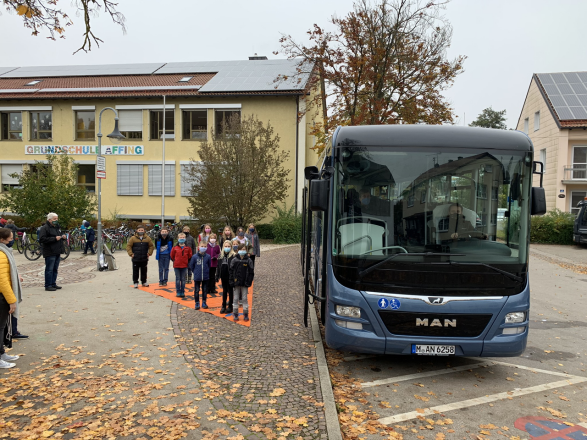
{"type": "Point", "coordinates": [258, 77]}
{"type": "Point", "coordinates": [565, 94]}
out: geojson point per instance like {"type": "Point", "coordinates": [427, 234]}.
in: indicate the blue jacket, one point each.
{"type": "Point", "coordinates": [90, 234]}
{"type": "Point", "coordinates": [160, 241]}
{"type": "Point", "coordinates": [200, 266]}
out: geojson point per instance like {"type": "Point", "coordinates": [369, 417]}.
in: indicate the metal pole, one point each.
{"type": "Point", "coordinates": [99, 153]}
{"type": "Point", "coordinates": [163, 171]}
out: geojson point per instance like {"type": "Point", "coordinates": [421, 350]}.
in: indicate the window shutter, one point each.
{"type": "Point", "coordinates": [7, 170]}
{"type": "Point", "coordinates": [155, 180]}
{"type": "Point", "coordinates": [187, 180]}
{"type": "Point", "coordinates": [130, 120]}
{"type": "Point", "coordinates": [130, 180]}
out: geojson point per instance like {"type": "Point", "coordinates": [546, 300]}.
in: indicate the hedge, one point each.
{"type": "Point", "coordinates": [287, 226]}
{"type": "Point", "coordinates": [554, 227]}
{"type": "Point", "coordinates": [265, 231]}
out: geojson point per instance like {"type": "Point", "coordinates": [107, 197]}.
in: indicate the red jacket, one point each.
{"type": "Point", "coordinates": [181, 256]}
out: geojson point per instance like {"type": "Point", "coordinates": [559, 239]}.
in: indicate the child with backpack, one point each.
{"type": "Point", "coordinates": [213, 250]}
{"type": "Point", "coordinates": [241, 278]}
{"type": "Point", "coordinates": [181, 255]}
{"type": "Point", "coordinates": [224, 263]}
{"type": "Point", "coordinates": [200, 267]}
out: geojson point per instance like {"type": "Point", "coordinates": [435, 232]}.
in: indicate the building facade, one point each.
{"type": "Point", "coordinates": [57, 110]}
{"type": "Point", "coordinates": [554, 117]}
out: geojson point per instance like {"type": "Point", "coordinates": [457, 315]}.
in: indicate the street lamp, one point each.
{"type": "Point", "coordinates": [117, 136]}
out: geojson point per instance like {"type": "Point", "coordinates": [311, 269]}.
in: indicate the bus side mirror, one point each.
{"type": "Point", "coordinates": [538, 205]}
{"type": "Point", "coordinates": [319, 194]}
{"type": "Point", "coordinates": [311, 172]}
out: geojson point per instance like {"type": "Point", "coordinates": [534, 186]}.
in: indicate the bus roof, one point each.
{"type": "Point", "coordinates": [419, 135]}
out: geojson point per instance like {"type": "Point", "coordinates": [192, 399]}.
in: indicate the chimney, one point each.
{"type": "Point", "coordinates": [258, 57]}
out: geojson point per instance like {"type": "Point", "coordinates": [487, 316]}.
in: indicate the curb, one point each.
{"type": "Point", "coordinates": [331, 417]}
{"type": "Point", "coordinates": [555, 259]}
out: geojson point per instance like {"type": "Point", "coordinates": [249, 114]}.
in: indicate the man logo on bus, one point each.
{"type": "Point", "coordinates": [383, 303]}
{"type": "Point", "coordinates": [394, 304]}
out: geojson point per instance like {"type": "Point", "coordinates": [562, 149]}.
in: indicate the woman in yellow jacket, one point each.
{"type": "Point", "coordinates": [9, 282]}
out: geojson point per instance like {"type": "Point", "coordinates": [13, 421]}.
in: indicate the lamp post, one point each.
{"type": "Point", "coordinates": [117, 136]}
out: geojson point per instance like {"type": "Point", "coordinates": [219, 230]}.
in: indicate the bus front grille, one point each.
{"type": "Point", "coordinates": [435, 325]}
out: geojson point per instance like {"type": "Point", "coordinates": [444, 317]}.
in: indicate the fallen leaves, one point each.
{"type": "Point", "coordinates": [277, 392]}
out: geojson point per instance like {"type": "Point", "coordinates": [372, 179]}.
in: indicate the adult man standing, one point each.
{"type": "Point", "coordinates": [51, 238]}
{"type": "Point", "coordinates": [140, 247]}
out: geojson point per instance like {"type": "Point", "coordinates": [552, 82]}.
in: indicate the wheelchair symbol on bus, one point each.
{"type": "Point", "coordinates": [394, 304]}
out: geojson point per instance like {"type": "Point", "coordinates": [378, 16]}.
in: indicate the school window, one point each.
{"type": "Point", "coordinates": [156, 119]}
{"type": "Point", "coordinates": [223, 118]}
{"type": "Point", "coordinates": [526, 126]}
{"type": "Point", "coordinates": [87, 177]}
{"type": "Point", "coordinates": [85, 124]}
{"type": "Point", "coordinates": [129, 180]}
{"type": "Point", "coordinates": [494, 193]}
{"type": "Point", "coordinates": [536, 123]}
{"type": "Point", "coordinates": [194, 124]}
{"type": "Point", "coordinates": [8, 181]}
{"type": "Point", "coordinates": [41, 125]}
{"type": "Point", "coordinates": [130, 123]}
{"type": "Point", "coordinates": [543, 159]}
{"type": "Point", "coordinates": [11, 126]}
{"type": "Point", "coordinates": [155, 180]}
{"type": "Point", "coordinates": [187, 179]}
{"type": "Point", "coordinates": [482, 191]}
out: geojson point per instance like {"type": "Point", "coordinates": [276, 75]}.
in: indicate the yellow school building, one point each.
{"type": "Point", "coordinates": [56, 109]}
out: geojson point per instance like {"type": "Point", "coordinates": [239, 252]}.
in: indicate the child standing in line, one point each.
{"type": "Point", "coordinates": [213, 250]}
{"type": "Point", "coordinates": [190, 243]}
{"type": "Point", "coordinates": [224, 263]}
{"type": "Point", "coordinates": [163, 247]}
{"type": "Point", "coordinates": [241, 235]}
{"type": "Point", "coordinates": [200, 266]}
{"type": "Point", "coordinates": [203, 237]}
{"type": "Point", "coordinates": [181, 255]}
{"type": "Point", "coordinates": [253, 249]}
{"type": "Point", "coordinates": [227, 235]}
{"type": "Point", "coordinates": [241, 278]}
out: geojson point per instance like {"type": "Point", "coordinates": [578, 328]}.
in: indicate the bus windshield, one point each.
{"type": "Point", "coordinates": [420, 219]}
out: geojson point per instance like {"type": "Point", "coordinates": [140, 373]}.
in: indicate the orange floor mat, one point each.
{"type": "Point", "coordinates": [214, 301]}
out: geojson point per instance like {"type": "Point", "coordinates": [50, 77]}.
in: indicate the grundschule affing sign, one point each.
{"type": "Point", "coordinates": [83, 149]}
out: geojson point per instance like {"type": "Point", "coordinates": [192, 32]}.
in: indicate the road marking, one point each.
{"type": "Point", "coordinates": [543, 371]}
{"type": "Point", "coordinates": [481, 400]}
{"type": "Point", "coordinates": [583, 425]}
{"type": "Point", "coordinates": [426, 374]}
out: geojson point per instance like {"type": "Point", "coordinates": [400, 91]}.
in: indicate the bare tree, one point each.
{"type": "Point", "coordinates": [240, 175]}
{"type": "Point", "coordinates": [384, 63]}
{"type": "Point", "coordinates": [45, 15]}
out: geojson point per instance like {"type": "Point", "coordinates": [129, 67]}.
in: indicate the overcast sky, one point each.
{"type": "Point", "coordinates": [506, 41]}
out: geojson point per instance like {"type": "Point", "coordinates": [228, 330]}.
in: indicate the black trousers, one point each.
{"type": "Point", "coordinates": [212, 280]}
{"type": "Point", "coordinates": [252, 257]}
{"type": "Point", "coordinates": [227, 292]}
{"type": "Point", "coordinates": [140, 267]}
{"type": "Point", "coordinates": [197, 290]}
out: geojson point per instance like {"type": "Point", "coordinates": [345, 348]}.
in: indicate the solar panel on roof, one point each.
{"type": "Point", "coordinates": [567, 93]}
{"type": "Point", "coordinates": [579, 112]}
{"type": "Point", "coordinates": [4, 70]}
{"type": "Point", "coordinates": [83, 70]}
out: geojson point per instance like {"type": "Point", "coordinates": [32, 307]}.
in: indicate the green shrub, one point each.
{"type": "Point", "coordinates": [554, 227]}
{"type": "Point", "coordinates": [287, 226]}
{"type": "Point", "coordinates": [265, 231]}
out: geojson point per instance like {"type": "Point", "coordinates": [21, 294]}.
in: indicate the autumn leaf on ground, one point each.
{"type": "Point", "coordinates": [561, 397]}
{"type": "Point", "coordinates": [420, 410]}
{"type": "Point", "coordinates": [509, 379]}
{"type": "Point", "coordinates": [419, 384]}
{"type": "Point", "coordinates": [556, 413]}
{"type": "Point", "coordinates": [418, 397]}
{"type": "Point", "coordinates": [277, 392]}
{"type": "Point", "coordinates": [440, 435]}
{"type": "Point", "coordinates": [385, 405]}
{"type": "Point", "coordinates": [488, 426]}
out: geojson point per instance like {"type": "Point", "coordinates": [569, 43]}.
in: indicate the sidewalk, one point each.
{"type": "Point", "coordinates": [101, 362]}
{"type": "Point", "coordinates": [107, 361]}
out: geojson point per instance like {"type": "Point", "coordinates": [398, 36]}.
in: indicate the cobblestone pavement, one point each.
{"type": "Point", "coordinates": [266, 374]}
{"type": "Point", "coordinates": [33, 273]}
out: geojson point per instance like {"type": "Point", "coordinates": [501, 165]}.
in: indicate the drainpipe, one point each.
{"type": "Point", "coordinates": [296, 167]}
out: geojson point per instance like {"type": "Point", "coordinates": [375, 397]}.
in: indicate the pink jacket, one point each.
{"type": "Point", "coordinates": [213, 252]}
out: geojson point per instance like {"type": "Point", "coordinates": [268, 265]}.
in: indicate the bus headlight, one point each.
{"type": "Point", "coordinates": [514, 317]}
{"type": "Point", "coordinates": [348, 311]}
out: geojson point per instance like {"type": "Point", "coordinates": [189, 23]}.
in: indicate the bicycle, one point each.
{"type": "Point", "coordinates": [22, 241]}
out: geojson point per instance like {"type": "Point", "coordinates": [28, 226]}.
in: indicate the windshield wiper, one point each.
{"type": "Point", "coordinates": [498, 270]}
{"type": "Point", "coordinates": [394, 256]}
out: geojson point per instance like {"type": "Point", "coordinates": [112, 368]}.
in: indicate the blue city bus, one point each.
{"type": "Point", "coordinates": [403, 246]}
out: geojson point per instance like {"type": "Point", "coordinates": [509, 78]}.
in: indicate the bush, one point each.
{"type": "Point", "coordinates": [265, 231]}
{"type": "Point", "coordinates": [555, 227]}
{"type": "Point", "coordinates": [287, 226]}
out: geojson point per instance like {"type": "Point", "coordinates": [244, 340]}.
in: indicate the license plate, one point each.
{"type": "Point", "coordinates": [433, 350]}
